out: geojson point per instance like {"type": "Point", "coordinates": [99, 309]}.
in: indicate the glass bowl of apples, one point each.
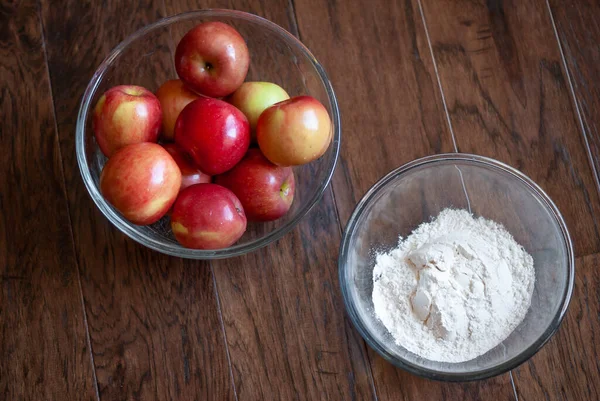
{"type": "Point", "coordinates": [208, 134]}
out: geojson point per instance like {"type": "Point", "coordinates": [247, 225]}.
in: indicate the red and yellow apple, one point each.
{"type": "Point", "coordinates": [295, 131]}
{"type": "Point", "coordinates": [265, 190]}
{"type": "Point", "coordinates": [190, 174]}
{"type": "Point", "coordinates": [173, 97]}
{"type": "Point", "coordinates": [207, 216]}
{"type": "Point", "coordinates": [212, 59]}
{"type": "Point", "coordinates": [214, 133]}
{"type": "Point", "coordinates": [252, 98]}
{"type": "Point", "coordinates": [124, 115]}
{"type": "Point", "coordinates": [141, 181]}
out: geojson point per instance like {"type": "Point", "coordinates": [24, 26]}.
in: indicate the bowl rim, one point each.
{"type": "Point", "coordinates": [236, 250]}
{"type": "Point", "coordinates": [439, 374]}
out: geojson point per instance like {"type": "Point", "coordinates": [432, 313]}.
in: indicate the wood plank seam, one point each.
{"type": "Point", "coordinates": [296, 28]}
{"type": "Point", "coordinates": [439, 81]}
{"type": "Point", "coordinates": [293, 19]}
{"type": "Point", "coordinates": [449, 121]}
{"type": "Point", "coordinates": [512, 383]}
{"type": "Point", "coordinates": [223, 332]}
{"type": "Point", "coordinates": [363, 342]}
{"type": "Point", "coordinates": [64, 182]}
{"type": "Point", "coordinates": [212, 273]}
{"type": "Point", "coordinates": [574, 99]}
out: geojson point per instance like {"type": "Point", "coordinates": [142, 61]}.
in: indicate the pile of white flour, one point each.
{"type": "Point", "coordinates": [454, 289]}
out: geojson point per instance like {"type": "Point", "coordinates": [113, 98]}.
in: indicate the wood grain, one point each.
{"type": "Point", "coordinates": [568, 367]}
{"type": "Point", "coordinates": [578, 26]}
{"type": "Point", "coordinates": [154, 322]}
{"type": "Point", "coordinates": [284, 319]}
{"type": "Point", "coordinates": [500, 70]}
{"type": "Point", "coordinates": [44, 352]}
{"type": "Point", "coordinates": [382, 71]}
{"type": "Point", "coordinates": [283, 315]}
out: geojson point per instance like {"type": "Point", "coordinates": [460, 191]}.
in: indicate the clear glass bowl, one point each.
{"type": "Point", "coordinates": [146, 58]}
{"type": "Point", "coordinates": [419, 190]}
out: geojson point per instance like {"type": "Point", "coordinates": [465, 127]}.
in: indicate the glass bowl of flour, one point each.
{"type": "Point", "coordinates": [456, 267]}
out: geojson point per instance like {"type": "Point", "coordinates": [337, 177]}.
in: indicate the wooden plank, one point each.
{"type": "Point", "coordinates": [578, 26]}
{"type": "Point", "coordinates": [154, 320]}
{"type": "Point", "coordinates": [500, 70]}
{"type": "Point", "coordinates": [284, 319]}
{"type": "Point", "coordinates": [568, 367]}
{"type": "Point", "coordinates": [44, 352]}
{"type": "Point", "coordinates": [382, 71]}
{"type": "Point", "coordinates": [282, 309]}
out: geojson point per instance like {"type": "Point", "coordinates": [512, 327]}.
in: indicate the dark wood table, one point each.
{"type": "Point", "coordinates": [87, 314]}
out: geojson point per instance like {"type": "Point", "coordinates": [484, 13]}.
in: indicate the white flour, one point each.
{"type": "Point", "coordinates": [454, 289]}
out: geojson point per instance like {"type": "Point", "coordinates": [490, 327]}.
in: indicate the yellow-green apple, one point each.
{"type": "Point", "coordinates": [295, 131]}
{"type": "Point", "coordinates": [207, 216]}
{"type": "Point", "coordinates": [190, 174]}
{"type": "Point", "coordinates": [173, 97]}
{"type": "Point", "coordinates": [214, 133]}
{"type": "Point", "coordinates": [141, 181]}
{"type": "Point", "coordinates": [252, 98]}
{"type": "Point", "coordinates": [265, 190]}
{"type": "Point", "coordinates": [212, 59]}
{"type": "Point", "coordinates": [124, 115]}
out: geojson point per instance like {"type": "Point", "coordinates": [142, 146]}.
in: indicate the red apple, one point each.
{"type": "Point", "coordinates": [190, 174]}
{"type": "Point", "coordinates": [207, 216]}
{"type": "Point", "coordinates": [141, 181]}
{"type": "Point", "coordinates": [294, 132]}
{"type": "Point", "coordinates": [252, 98]}
{"type": "Point", "coordinates": [265, 190]}
{"type": "Point", "coordinates": [124, 115]}
{"type": "Point", "coordinates": [212, 59]}
{"type": "Point", "coordinates": [173, 97]}
{"type": "Point", "coordinates": [214, 133]}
